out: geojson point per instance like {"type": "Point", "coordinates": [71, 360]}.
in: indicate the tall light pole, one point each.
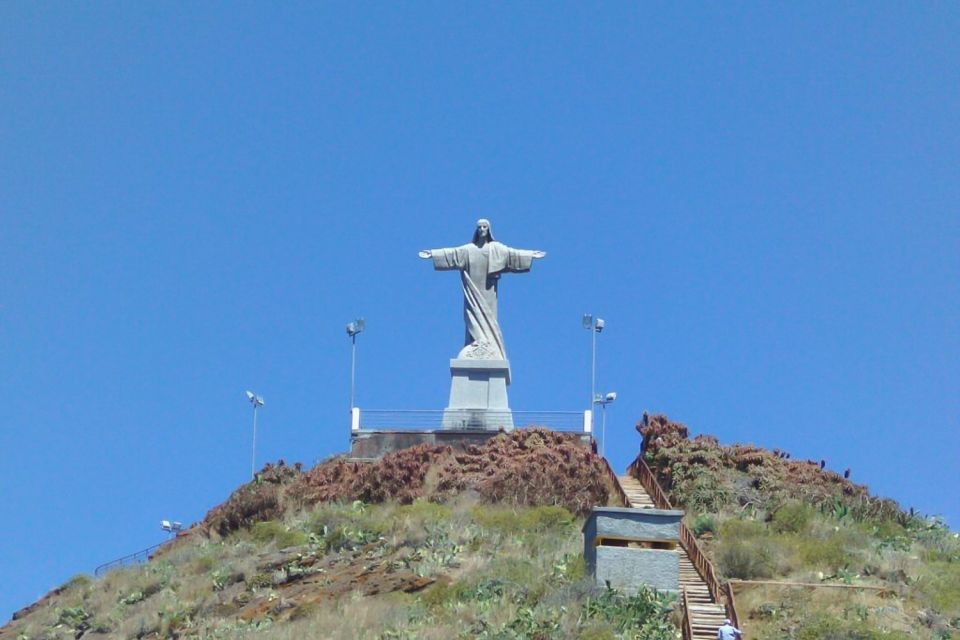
{"type": "Point", "coordinates": [595, 326]}
{"type": "Point", "coordinates": [603, 401]}
{"type": "Point", "coordinates": [173, 528]}
{"type": "Point", "coordinates": [256, 401]}
{"type": "Point", "coordinates": [353, 328]}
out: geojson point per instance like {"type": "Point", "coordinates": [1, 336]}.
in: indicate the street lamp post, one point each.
{"type": "Point", "coordinates": [353, 328]}
{"type": "Point", "coordinates": [603, 401]}
{"type": "Point", "coordinates": [595, 326]}
{"type": "Point", "coordinates": [173, 528]}
{"type": "Point", "coordinates": [256, 401]}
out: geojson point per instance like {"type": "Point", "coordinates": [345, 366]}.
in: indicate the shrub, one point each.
{"type": "Point", "coordinates": [78, 581]}
{"type": "Point", "coordinates": [265, 532]}
{"type": "Point", "coordinates": [940, 583]}
{"type": "Point", "coordinates": [425, 511]}
{"type": "Point", "coordinates": [512, 521]}
{"type": "Point", "coordinates": [824, 627]}
{"type": "Point", "coordinates": [793, 517]}
{"type": "Point", "coordinates": [741, 529]}
{"type": "Point", "coordinates": [829, 552]}
{"type": "Point", "coordinates": [704, 523]}
{"type": "Point", "coordinates": [643, 615]}
{"type": "Point", "coordinates": [745, 561]}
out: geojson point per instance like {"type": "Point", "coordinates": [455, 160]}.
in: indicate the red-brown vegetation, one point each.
{"type": "Point", "coordinates": [526, 467]}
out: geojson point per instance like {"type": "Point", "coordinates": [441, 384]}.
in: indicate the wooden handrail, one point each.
{"type": "Point", "coordinates": [732, 606]}
{"type": "Point", "coordinates": [686, 627]}
{"type": "Point", "coordinates": [616, 483]}
{"type": "Point", "coordinates": [639, 470]}
{"type": "Point", "coordinates": [642, 472]}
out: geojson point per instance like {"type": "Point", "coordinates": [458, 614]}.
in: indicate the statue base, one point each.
{"type": "Point", "coordinates": [478, 395]}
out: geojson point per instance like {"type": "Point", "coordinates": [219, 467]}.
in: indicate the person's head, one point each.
{"type": "Point", "coordinates": [483, 232]}
{"type": "Point", "coordinates": [726, 621]}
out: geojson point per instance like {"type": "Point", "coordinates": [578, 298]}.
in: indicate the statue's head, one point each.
{"type": "Point", "coordinates": [483, 233]}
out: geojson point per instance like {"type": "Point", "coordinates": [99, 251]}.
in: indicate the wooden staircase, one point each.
{"type": "Point", "coordinates": [703, 613]}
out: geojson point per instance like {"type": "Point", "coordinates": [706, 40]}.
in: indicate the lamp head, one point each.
{"type": "Point", "coordinates": [587, 321]}
{"type": "Point", "coordinates": [611, 396]}
{"type": "Point", "coordinates": [600, 325]}
{"type": "Point", "coordinates": [355, 327]}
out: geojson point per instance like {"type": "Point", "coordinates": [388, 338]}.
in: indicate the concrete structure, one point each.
{"type": "Point", "coordinates": [478, 395]}
{"type": "Point", "coordinates": [627, 548]}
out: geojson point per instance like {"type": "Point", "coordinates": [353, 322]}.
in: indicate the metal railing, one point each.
{"type": "Point", "coordinates": [400, 420]}
{"type": "Point", "coordinates": [134, 558]}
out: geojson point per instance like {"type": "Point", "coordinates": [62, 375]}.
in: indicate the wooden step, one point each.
{"type": "Point", "coordinates": [705, 615]}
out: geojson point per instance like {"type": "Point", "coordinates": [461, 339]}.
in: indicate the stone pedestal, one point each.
{"type": "Point", "coordinates": [478, 395]}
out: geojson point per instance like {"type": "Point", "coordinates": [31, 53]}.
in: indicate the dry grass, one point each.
{"type": "Point", "coordinates": [498, 571]}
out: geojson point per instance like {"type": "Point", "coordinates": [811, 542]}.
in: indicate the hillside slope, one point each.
{"type": "Point", "coordinates": [869, 569]}
{"type": "Point", "coordinates": [431, 543]}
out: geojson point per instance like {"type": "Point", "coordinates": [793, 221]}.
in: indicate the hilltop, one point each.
{"type": "Point", "coordinates": [429, 542]}
{"type": "Point", "coordinates": [763, 516]}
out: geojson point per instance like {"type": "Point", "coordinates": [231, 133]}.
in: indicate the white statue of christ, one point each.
{"type": "Point", "coordinates": [480, 264]}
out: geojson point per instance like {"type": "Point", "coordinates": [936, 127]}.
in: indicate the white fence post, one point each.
{"type": "Point", "coordinates": [587, 421]}
{"type": "Point", "coordinates": [355, 419]}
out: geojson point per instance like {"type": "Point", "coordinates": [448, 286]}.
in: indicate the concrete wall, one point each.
{"type": "Point", "coordinates": [628, 569]}
{"type": "Point", "coordinates": [634, 524]}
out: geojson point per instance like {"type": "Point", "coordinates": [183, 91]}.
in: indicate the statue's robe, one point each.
{"type": "Point", "coordinates": [480, 269]}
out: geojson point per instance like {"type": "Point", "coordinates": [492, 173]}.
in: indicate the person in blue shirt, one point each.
{"type": "Point", "coordinates": [728, 632]}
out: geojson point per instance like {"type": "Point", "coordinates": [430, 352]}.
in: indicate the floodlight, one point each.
{"type": "Point", "coordinates": [256, 401]}
{"type": "Point", "coordinates": [165, 525]}
{"type": "Point", "coordinates": [355, 327]}
{"type": "Point", "coordinates": [177, 526]}
{"type": "Point", "coordinates": [595, 326]}
{"type": "Point", "coordinates": [603, 401]}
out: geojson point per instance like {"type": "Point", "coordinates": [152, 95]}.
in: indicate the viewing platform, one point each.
{"type": "Point", "coordinates": [375, 433]}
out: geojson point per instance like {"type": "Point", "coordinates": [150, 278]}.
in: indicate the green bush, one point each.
{"type": "Point", "coordinates": [704, 523]}
{"type": "Point", "coordinates": [270, 530]}
{"type": "Point", "coordinates": [425, 511]}
{"type": "Point", "coordinates": [940, 583]}
{"type": "Point", "coordinates": [793, 517]}
{"type": "Point", "coordinates": [643, 615]}
{"type": "Point", "coordinates": [742, 529]}
{"type": "Point", "coordinates": [824, 627]}
{"type": "Point", "coordinates": [78, 581]}
{"type": "Point", "coordinates": [513, 521]}
{"type": "Point", "coordinates": [745, 561]}
{"type": "Point", "coordinates": [830, 552]}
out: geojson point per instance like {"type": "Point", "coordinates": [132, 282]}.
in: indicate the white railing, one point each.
{"type": "Point", "coordinates": [404, 420]}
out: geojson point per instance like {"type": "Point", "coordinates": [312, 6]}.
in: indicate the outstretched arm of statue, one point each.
{"type": "Point", "coordinates": [538, 254]}
{"type": "Point", "coordinates": [425, 254]}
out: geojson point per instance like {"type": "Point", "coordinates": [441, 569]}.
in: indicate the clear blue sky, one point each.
{"type": "Point", "coordinates": [762, 200]}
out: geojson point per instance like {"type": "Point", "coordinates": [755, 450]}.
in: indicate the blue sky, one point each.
{"type": "Point", "coordinates": [761, 200]}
